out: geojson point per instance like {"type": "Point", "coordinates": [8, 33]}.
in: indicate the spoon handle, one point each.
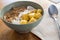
{"type": "Point", "coordinates": [58, 27]}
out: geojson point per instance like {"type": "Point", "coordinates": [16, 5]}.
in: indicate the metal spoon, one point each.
{"type": "Point", "coordinates": [53, 12]}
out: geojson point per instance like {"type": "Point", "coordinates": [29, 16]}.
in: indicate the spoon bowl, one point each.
{"type": "Point", "coordinates": [52, 11]}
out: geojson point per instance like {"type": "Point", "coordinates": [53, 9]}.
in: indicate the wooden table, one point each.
{"type": "Point", "coordinates": [8, 34]}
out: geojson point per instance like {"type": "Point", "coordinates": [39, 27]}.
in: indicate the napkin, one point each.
{"type": "Point", "coordinates": [47, 29]}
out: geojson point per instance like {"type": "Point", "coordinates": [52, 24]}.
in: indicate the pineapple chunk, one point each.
{"type": "Point", "coordinates": [39, 11]}
{"type": "Point", "coordinates": [32, 20]}
{"type": "Point", "coordinates": [25, 17]}
{"type": "Point", "coordinates": [23, 22]}
{"type": "Point", "coordinates": [31, 15]}
{"type": "Point", "coordinates": [37, 15]}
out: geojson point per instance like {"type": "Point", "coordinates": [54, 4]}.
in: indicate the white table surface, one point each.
{"type": "Point", "coordinates": [47, 29]}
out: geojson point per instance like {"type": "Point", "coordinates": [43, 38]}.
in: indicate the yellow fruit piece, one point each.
{"type": "Point", "coordinates": [25, 17]}
{"type": "Point", "coordinates": [23, 22]}
{"type": "Point", "coordinates": [32, 20]}
{"type": "Point", "coordinates": [31, 15]}
{"type": "Point", "coordinates": [37, 15]}
{"type": "Point", "coordinates": [39, 10]}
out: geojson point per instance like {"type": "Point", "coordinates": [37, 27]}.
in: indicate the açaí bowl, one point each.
{"type": "Point", "coordinates": [22, 28]}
